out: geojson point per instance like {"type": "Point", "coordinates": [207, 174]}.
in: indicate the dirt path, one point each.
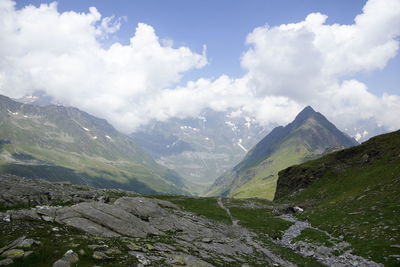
{"type": "Point", "coordinates": [234, 221]}
{"type": "Point", "coordinates": [248, 236]}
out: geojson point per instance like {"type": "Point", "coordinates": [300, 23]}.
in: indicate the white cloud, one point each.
{"type": "Point", "coordinates": [61, 54]}
{"type": "Point", "coordinates": [287, 67]}
{"type": "Point", "coordinates": [308, 62]}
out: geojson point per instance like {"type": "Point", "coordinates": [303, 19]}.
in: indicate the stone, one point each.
{"type": "Point", "coordinates": [108, 220]}
{"type": "Point", "coordinates": [133, 246]}
{"type": "Point", "coordinates": [7, 261]}
{"type": "Point", "coordinates": [47, 219]}
{"type": "Point", "coordinates": [13, 244]}
{"type": "Point", "coordinates": [113, 251]}
{"type": "Point", "coordinates": [90, 227]}
{"type": "Point", "coordinates": [98, 255]}
{"type": "Point", "coordinates": [7, 218]}
{"type": "Point", "coordinates": [298, 209]}
{"type": "Point", "coordinates": [206, 240]}
{"type": "Point", "coordinates": [177, 259]}
{"type": "Point", "coordinates": [26, 243]}
{"type": "Point", "coordinates": [13, 253]}
{"type": "Point", "coordinates": [149, 246]}
{"type": "Point", "coordinates": [164, 247]}
{"type": "Point", "coordinates": [140, 257]}
{"type": "Point", "coordinates": [98, 247]}
{"type": "Point", "coordinates": [61, 263]}
{"type": "Point", "coordinates": [69, 258]}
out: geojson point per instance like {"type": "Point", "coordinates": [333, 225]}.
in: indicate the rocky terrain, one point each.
{"type": "Point", "coordinates": [60, 224]}
{"type": "Point", "coordinates": [126, 230]}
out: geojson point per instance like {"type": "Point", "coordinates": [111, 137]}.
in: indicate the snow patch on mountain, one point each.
{"type": "Point", "coordinates": [359, 135]}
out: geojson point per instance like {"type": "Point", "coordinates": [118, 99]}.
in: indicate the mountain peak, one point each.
{"type": "Point", "coordinates": [305, 113]}
{"type": "Point", "coordinates": [308, 109]}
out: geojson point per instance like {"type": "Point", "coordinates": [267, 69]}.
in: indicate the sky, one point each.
{"type": "Point", "coordinates": [134, 61]}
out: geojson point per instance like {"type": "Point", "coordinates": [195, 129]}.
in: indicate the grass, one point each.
{"type": "Point", "coordinates": [263, 183]}
{"type": "Point", "coordinates": [353, 198]}
{"type": "Point", "coordinates": [55, 243]}
{"type": "Point", "coordinates": [56, 137]}
{"type": "Point", "coordinates": [261, 221]}
{"type": "Point", "coordinates": [267, 227]}
{"type": "Point", "coordinates": [207, 207]}
{"type": "Point", "coordinates": [313, 236]}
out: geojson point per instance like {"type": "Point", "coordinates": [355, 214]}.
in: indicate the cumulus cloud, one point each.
{"type": "Point", "coordinates": [62, 54]}
{"type": "Point", "coordinates": [287, 67]}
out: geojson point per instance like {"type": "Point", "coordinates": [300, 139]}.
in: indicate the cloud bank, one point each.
{"type": "Point", "coordinates": [287, 67]}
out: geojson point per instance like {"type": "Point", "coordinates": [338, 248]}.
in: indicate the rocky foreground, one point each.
{"type": "Point", "coordinates": [60, 224]}
{"type": "Point", "coordinates": [122, 231]}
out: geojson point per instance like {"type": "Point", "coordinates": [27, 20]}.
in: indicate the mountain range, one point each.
{"type": "Point", "coordinates": [308, 136]}
{"type": "Point", "coordinates": [334, 202]}
{"type": "Point", "coordinates": [66, 144]}
{"type": "Point", "coordinates": [202, 148]}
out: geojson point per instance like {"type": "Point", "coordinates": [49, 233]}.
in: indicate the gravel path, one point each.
{"type": "Point", "coordinates": [323, 254]}
{"type": "Point", "coordinates": [234, 221]}
{"type": "Point", "coordinates": [248, 236]}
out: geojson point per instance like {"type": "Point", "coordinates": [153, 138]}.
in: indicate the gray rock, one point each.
{"type": "Point", "coordinates": [90, 227]}
{"type": "Point", "coordinates": [69, 258]}
{"type": "Point", "coordinates": [26, 243]}
{"type": "Point", "coordinates": [115, 219]}
{"type": "Point", "coordinates": [7, 218]}
{"type": "Point", "coordinates": [7, 261]}
{"type": "Point", "coordinates": [13, 244]}
{"type": "Point", "coordinates": [140, 257]}
{"type": "Point", "coordinates": [206, 240]}
{"type": "Point", "coordinates": [98, 247]}
{"type": "Point", "coordinates": [98, 255]}
{"type": "Point", "coordinates": [13, 253]}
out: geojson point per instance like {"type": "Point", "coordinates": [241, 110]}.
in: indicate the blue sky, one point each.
{"type": "Point", "coordinates": [266, 59]}
{"type": "Point", "coordinates": [223, 26]}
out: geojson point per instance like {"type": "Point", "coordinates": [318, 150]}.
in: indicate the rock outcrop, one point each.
{"type": "Point", "coordinates": [154, 232]}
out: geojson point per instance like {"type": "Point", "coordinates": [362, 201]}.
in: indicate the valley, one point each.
{"type": "Point", "coordinates": [199, 133]}
{"type": "Point", "coordinates": [305, 195]}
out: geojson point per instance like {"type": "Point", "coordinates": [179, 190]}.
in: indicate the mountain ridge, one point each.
{"type": "Point", "coordinates": [308, 136]}
{"type": "Point", "coordinates": [54, 139]}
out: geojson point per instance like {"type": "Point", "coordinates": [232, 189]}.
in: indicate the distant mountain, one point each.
{"type": "Point", "coordinates": [65, 144]}
{"type": "Point", "coordinates": [307, 137]}
{"type": "Point", "coordinates": [200, 149]}
{"type": "Point", "coordinates": [352, 193]}
{"type": "Point", "coordinates": [38, 98]}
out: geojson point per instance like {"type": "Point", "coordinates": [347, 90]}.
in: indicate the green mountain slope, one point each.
{"type": "Point", "coordinates": [62, 143]}
{"type": "Point", "coordinates": [308, 136]}
{"type": "Point", "coordinates": [353, 193]}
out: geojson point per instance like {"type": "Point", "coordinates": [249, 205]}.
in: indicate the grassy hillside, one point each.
{"type": "Point", "coordinates": [307, 137]}
{"type": "Point", "coordinates": [353, 194]}
{"type": "Point", "coordinates": [60, 143]}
